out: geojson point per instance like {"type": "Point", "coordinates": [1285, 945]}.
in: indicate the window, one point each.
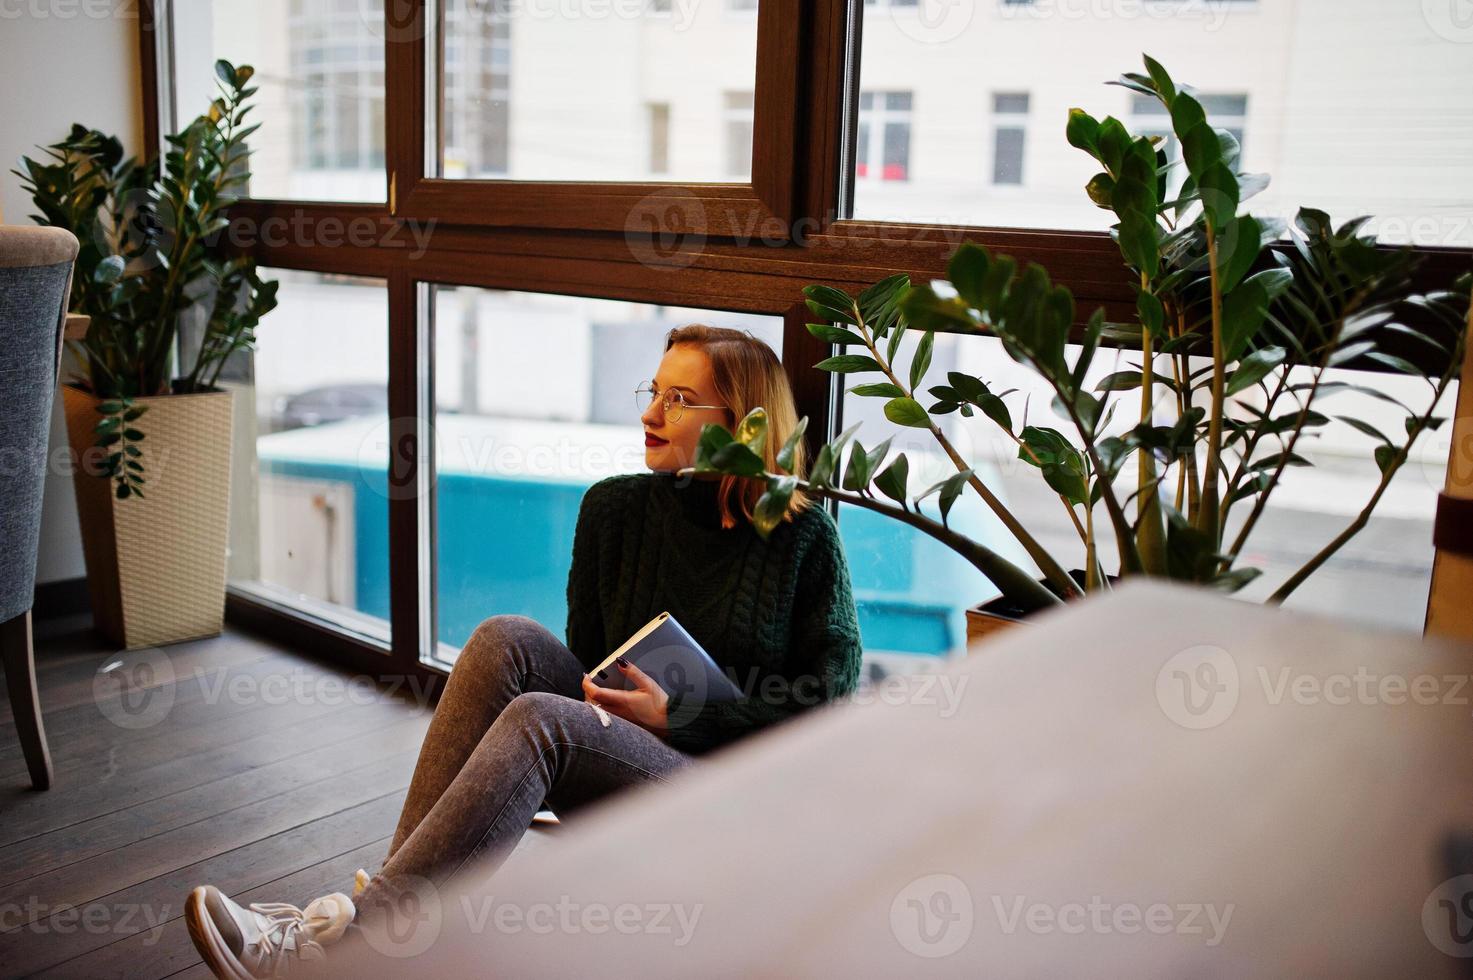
{"type": "Point", "coordinates": [536, 403]}
{"type": "Point", "coordinates": [536, 94]}
{"type": "Point", "coordinates": [1009, 135]}
{"type": "Point", "coordinates": [959, 121]}
{"type": "Point", "coordinates": [1316, 131]}
{"type": "Point", "coordinates": [738, 115]}
{"type": "Point", "coordinates": [476, 115]}
{"type": "Point", "coordinates": [309, 518]}
{"type": "Point", "coordinates": [1347, 142]}
{"type": "Point", "coordinates": [320, 100]}
{"type": "Point", "coordinates": [883, 142]}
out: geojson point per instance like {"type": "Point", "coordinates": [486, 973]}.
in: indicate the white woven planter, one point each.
{"type": "Point", "coordinates": [156, 564]}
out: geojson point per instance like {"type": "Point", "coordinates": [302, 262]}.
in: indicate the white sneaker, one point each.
{"type": "Point", "coordinates": [261, 940]}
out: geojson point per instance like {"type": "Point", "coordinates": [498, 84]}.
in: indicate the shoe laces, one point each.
{"type": "Point", "coordinates": [286, 930]}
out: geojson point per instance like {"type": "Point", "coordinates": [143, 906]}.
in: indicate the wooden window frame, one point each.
{"type": "Point", "coordinates": [768, 202]}
{"type": "Point", "coordinates": [746, 247]}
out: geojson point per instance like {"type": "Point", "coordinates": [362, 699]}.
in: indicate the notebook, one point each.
{"type": "Point", "coordinates": [664, 650]}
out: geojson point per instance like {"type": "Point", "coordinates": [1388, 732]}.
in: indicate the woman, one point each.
{"type": "Point", "coordinates": [520, 723]}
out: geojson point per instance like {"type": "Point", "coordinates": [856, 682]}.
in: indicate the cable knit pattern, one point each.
{"type": "Point", "coordinates": [777, 615]}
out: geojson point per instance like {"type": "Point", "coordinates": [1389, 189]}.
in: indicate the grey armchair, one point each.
{"type": "Point", "coordinates": [35, 280]}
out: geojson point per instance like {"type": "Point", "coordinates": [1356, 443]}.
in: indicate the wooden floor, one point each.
{"type": "Point", "coordinates": [265, 775]}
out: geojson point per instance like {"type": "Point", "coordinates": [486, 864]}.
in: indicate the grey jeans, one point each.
{"type": "Point", "coordinates": [511, 730]}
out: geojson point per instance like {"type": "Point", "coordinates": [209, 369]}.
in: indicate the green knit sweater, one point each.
{"type": "Point", "coordinates": [777, 615]}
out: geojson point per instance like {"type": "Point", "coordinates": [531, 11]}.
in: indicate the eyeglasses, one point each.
{"type": "Point", "coordinates": [671, 400]}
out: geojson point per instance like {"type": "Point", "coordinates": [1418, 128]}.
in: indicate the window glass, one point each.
{"type": "Point", "coordinates": [309, 506]}
{"type": "Point", "coordinates": [320, 80]}
{"type": "Point", "coordinates": [596, 91]}
{"type": "Point", "coordinates": [988, 102]}
{"type": "Point", "coordinates": [883, 145]}
{"type": "Point", "coordinates": [1010, 134]}
{"type": "Point", "coordinates": [739, 115]}
{"type": "Point", "coordinates": [535, 403]}
{"type": "Point", "coordinates": [1353, 108]}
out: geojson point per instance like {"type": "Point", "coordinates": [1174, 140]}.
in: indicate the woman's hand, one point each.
{"type": "Point", "coordinates": [645, 705]}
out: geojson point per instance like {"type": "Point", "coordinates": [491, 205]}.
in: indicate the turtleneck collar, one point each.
{"type": "Point", "coordinates": [695, 499]}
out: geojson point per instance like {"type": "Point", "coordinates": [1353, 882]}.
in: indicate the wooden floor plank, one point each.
{"type": "Point", "coordinates": [197, 972]}
{"type": "Point", "coordinates": [130, 775]}
{"type": "Point", "coordinates": [92, 838]}
{"type": "Point", "coordinates": [80, 731]}
{"type": "Point", "coordinates": [160, 900]}
{"type": "Point", "coordinates": [271, 794]}
{"type": "Point", "coordinates": [78, 884]}
{"type": "Point", "coordinates": [167, 950]}
{"type": "Point", "coordinates": [78, 688]}
{"type": "Point", "coordinates": [203, 695]}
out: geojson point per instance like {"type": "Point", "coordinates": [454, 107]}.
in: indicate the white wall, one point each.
{"type": "Point", "coordinates": [72, 63]}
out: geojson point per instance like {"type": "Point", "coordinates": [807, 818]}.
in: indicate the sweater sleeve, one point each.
{"type": "Point", "coordinates": [822, 664]}
{"type": "Point", "coordinates": [585, 633]}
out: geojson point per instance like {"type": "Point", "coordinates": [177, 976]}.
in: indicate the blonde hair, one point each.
{"type": "Point", "coordinates": [747, 374]}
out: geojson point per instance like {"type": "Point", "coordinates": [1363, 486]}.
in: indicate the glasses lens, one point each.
{"type": "Point", "coordinates": [644, 397]}
{"type": "Point", "coordinates": [674, 405]}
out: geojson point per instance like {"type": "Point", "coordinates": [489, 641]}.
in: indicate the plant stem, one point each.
{"type": "Point", "coordinates": [1094, 577]}
{"type": "Point", "coordinates": [1150, 532]}
{"type": "Point", "coordinates": [1194, 485]}
{"type": "Point", "coordinates": [1050, 568]}
{"type": "Point", "coordinates": [1455, 361]}
{"type": "Point", "coordinates": [1251, 443]}
{"type": "Point", "coordinates": [1261, 501]}
{"type": "Point", "coordinates": [1178, 372]}
{"type": "Point", "coordinates": [1207, 519]}
{"type": "Point", "coordinates": [1130, 557]}
{"type": "Point", "coordinates": [221, 176]}
{"type": "Point", "coordinates": [1016, 584]}
{"type": "Point", "coordinates": [1073, 517]}
{"type": "Point", "coordinates": [165, 326]}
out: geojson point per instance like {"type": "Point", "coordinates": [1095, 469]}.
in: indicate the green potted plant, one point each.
{"type": "Point", "coordinates": [1221, 314]}
{"type": "Point", "coordinates": [152, 435]}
